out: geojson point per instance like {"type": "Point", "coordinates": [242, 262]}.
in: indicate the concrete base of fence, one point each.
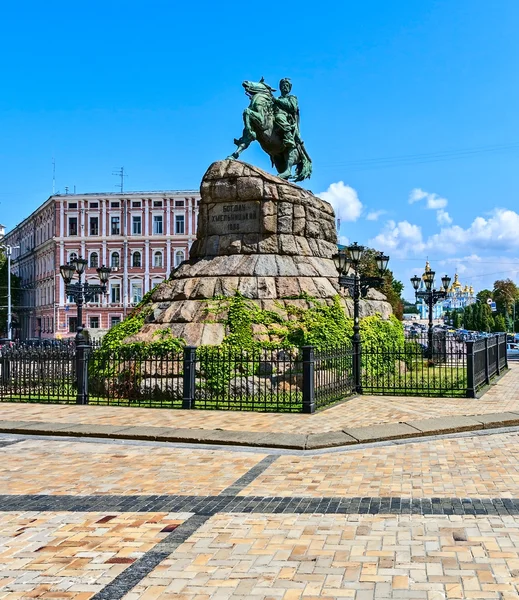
{"type": "Point", "coordinates": [312, 441]}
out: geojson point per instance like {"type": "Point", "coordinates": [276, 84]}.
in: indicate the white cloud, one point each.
{"type": "Point", "coordinates": [499, 231]}
{"type": "Point", "coordinates": [443, 217]}
{"type": "Point", "coordinates": [344, 200]}
{"type": "Point", "coordinates": [400, 238]}
{"type": "Point", "coordinates": [433, 201]}
{"type": "Point", "coordinates": [343, 240]}
{"type": "Point", "coordinates": [375, 214]}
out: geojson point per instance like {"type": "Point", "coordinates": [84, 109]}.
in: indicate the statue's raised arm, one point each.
{"type": "Point", "coordinates": [274, 123]}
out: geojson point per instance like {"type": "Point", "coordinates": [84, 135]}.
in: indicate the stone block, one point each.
{"type": "Point", "coordinates": [285, 224]}
{"type": "Point", "coordinates": [295, 441]}
{"type": "Point", "coordinates": [270, 191]}
{"type": "Point", "coordinates": [269, 208]}
{"type": "Point", "coordinates": [226, 286]}
{"type": "Point", "coordinates": [266, 265]}
{"type": "Point", "coordinates": [248, 287]}
{"type": "Point", "coordinates": [215, 171]}
{"type": "Point", "coordinates": [502, 419]}
{"type": "Point", "coordinates": [213, 246]}
{"type": "Point", "coordinates": [385, 431]}
{"type": "Point", "coordinates": [286, 266]}
{"type": "Point", "coordinates": [205, 288]}
{"type": "Point", "coordinates": [234, 169]}
{"type": "Point", "coordinates": [269, 224]}
{"type": "Point", "coordinates": [267, 287]}
{"type": "Point", "coordinates": [268, 245]}
{"type": "Point", "coordinates": [212, 334]}
{"type": "Point", "coordinates": [287, 244]}
{"type": "Point", "coordinates": [313, 229]}
{"type": "Point", "coordinates": [298, 226]}
{"type": "Point", "coordinates": [224, 190]}
{"type": "Point", "coordinates": [445, 425]}
{"type": "Point", "coordinates": [288, 287]}
{"type": "Point", "coordinates": [249, 188]}
{"type": "Point", "coordinates": [330, 439]}
{"type": "Point", "coordinates": [307, 285]}
{"type": "Point", "coordinates": [303, 248]}
{"type": "Point", "coordinates": [249, 244]}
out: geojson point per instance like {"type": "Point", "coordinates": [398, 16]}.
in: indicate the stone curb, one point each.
{"type": "Point", "coordinates": [292, 441]}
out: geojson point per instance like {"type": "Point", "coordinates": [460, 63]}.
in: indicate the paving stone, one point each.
{"type": "Point", "coordinates": [287, 440]}
{"type": "Point", "coordinates": [445, 425]}
{"type": "Point", "coordinates": [377, 433]}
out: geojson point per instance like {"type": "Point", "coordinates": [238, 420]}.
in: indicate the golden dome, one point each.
{"type": "Point", "coordinates": [456, 283]}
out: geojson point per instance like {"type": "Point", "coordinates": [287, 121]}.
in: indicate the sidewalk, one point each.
{"type": "Point", "coordinates": [359, 420]}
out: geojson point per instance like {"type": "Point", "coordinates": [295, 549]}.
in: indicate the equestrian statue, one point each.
{"type": "Point", "coordinates": [274, 123]}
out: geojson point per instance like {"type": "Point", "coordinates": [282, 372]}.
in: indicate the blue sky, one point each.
{"type": "Point", "coordinates": [399, 101]}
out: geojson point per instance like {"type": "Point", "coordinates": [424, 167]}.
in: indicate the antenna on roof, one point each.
{"type": "Point", "coordinates": [120, 173]}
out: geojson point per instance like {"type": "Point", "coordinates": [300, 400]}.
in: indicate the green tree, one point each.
{"type": "Point", "coordinates": [391, 288]}
{"type": "Point", "coordinates": [505, 295]}
{"type": "Point", "coordinates": [468, 317]}
{"type": "Point", "coordinates": [484, 295]}
{"type": "Point", "coordinates": [499, 323]}
{"type": "Point", "coordinates": [456, 321]}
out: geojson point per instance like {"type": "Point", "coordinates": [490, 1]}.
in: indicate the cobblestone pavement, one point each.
{"type": "Point", "coordinates": [428, 519]}
{"type": "Point", "coordinates": [357, 412]}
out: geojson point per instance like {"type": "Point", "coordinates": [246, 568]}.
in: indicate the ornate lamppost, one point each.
{"type": "Point", "coordinates": [431, 297]}
{"type": "Point", "coordinates": [81, 293]}
{"type": "Point", "coordinates": [358, 285]}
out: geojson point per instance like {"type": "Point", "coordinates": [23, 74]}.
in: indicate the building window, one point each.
{"type": "Point", "coordinates": [72, 324]}
{"type": "Point", "coordinates": [72, 204]}
{"type": "Point", "coordinates": [136, 204]}
{"type": "Point", "coordinates": [155, 283]}
{"type": "Point", "coordinates": [179, 203]}
{"type": "Point", "coordinates": [116, 225]}
{"type": "Point", "coordinates": [72, 225]}
{"type": "Point", "coordinates": [114, 262]}
{"type": "Point", "coordinates": [94, 260]}
{"type": "Point", "coordinates": [157, 259]}
{"type": "Point", "coordinates": [94, 204]}
{"type": "Point", "coordinates": [136, 224]}
{"type": "Point", "coordinates": [157, 224]}
{"type": "Point", "coordinates": [115, 293]}
{"type": "Point", "coordinates": [94, 322]}
{"type": "Point", "coordinates": [94, 226]}
{"type": "Point", "coordinates": [157, 203]}
{"type": "Point", "coordinates": [136, 259]}
{"type": "Point", "coordinates": [114, 204]}
{"type": "Point", "coordinates": [136, 292]}
{"type": "Point", "coordinates": [72, 256]}
{"type": "Point", "coordinates": [179, 224]}
{"type": "Point", "coordinates": [179, 257]}
{"type": "Point", "coordinates": [114, 321]}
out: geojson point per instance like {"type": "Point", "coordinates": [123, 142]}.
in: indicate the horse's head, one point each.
{"type": "Point", "coordinates": [257, 87]}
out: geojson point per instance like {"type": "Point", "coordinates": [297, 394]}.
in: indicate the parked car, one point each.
{"type": "Point", "coordinates": [512, 350]}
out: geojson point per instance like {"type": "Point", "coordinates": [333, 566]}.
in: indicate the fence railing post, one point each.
{"type": "Point", "coordinates": [308, 379]}
{"type": "Point", "coordinates": [498, 350]}
{"type": "Point", "coordinates": [505, 351]}
{"type": "Point", "coordinates": [82, 356]}
{"type": "Point", "coordinates": [188, 398]}
{"type": "Point", "coordinates": [471, 388]}
{"type": "Point", "coordinates": [487, 363]}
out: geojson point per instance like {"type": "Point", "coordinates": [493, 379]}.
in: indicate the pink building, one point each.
{"type": "Point", "coordinates": [142, 236]}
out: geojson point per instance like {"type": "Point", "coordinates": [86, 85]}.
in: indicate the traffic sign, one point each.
{"type": "Point", "coordinates": [489, 300]}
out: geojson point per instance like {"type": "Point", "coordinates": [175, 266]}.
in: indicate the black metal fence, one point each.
{"type": "Point", "coordinates": [414, 369]}
{"type": "Point", "coordinates": [273, 380]}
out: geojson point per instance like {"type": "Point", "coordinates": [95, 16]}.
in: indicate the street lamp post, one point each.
{"type": "Point", "coordinates": [431, 297]}
{"type": "Point", "coordinates": [9, 252]}
{"type": "Point", "coordinates": [81, 293]}
{"type": "Point", "coordinates": [358, 286]}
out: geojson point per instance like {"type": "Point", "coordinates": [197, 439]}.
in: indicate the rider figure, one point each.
{"type": "Point", "coordinates": [286, 114]}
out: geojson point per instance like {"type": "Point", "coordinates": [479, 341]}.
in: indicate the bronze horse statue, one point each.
{"type": "Point", "coordinates": [276, 129]}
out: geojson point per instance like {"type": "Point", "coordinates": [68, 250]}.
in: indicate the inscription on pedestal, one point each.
{"type": "Point", "coordinates": [236, 217]}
